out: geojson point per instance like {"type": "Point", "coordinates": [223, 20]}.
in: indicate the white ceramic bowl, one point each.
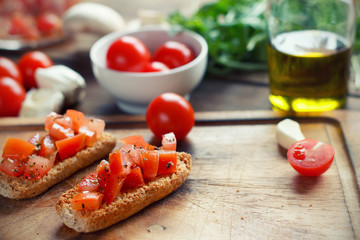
{"type": "Point", "coordinates": [134, 91]}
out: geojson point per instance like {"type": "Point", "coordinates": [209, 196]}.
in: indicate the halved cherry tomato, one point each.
{"type": "Point", "coordinates": [12, 95]}
{"type": "Point", "coordinates": [113, 187]}
{"type": "Point", "coordinates": [128, 54]}
{"type": "Point", "coordinates": [77, 118]}
{"type": "Point", "coordinates": [120, 163]}
{"type": "Point", "coordinates": [173, 54]}
{"type": "Point", "coordinates": [170, 112]}
{"type": "Point", "coordinates": [87, 201]}
{"type": "Point", "coordinates": [150, 164]}
{"type": "Point", "coordinates": [70, 146]}
{"type": "Point", "coordinates": [59, 132]}
{"type": "Point", "coordinates": [136, 140]}
{"type": "Point", "coordinates": [168, 142]}
{"type": "Point", "coordinates": [310, 157]}
{"type": "Point", "coordinates": [156, 67]}
{"type": "Point", "coordinates": [18, 147]}
{"type": "Point", "coordinates": [13, 167]}
{"type": "Point", "coordinates": [29, 62]}
{"type": "Point", "coordinates": [37, 167]}
{"type": "Point", "coordinates": [10, 69]}
{"type": "Point", "coordinates": [47, 147]}
{"type": "Point", "coordinates": [167, 162]}
{"type": "Point", "coordinates": [90, 183]}
{"type": "Point", "coordinates": [134, 179]}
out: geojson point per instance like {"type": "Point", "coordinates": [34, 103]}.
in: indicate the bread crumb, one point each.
{"type": "Point", "coordinates": [310, 205]}
{"type": "Point", "coordinates": [242, 218]}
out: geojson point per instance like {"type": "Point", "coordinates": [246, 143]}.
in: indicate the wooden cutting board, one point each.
{"type": "Point", "coordinates": [241, 185]}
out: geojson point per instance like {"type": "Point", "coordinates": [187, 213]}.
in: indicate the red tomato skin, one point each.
{"type": "Point", "coordinates": [12, 167]}
{"type": "Point", "coordinates": [9, 68]}
{"type": "Point", "coordinates": [70, 146]}
{"type": "Point", "coordinates": [47, 147]}
{"type": "Point", "coordinates": [155, 66]}
{"type": "Point", "coordinates": [170, 112]}
{"type": "Point", "coordinates": [168, 142]}
{"type": "Point", "coordinates": [59, 132]}
{"type": "Point", "coordinates": [96, 125]}
{"type": "Point", "coordinates": [173, 54]}
{"type": "Point", "coordinates": [167, 162]}
{"type": "Point", "coordinates": [77, 118]}
{"type": "Point", "coordinates": [48, 23]}
{"type": "Point", "coordinates": [310, 162]}
{"type": "Point", "coordinates": [37, 167]}
{"type": "Point", "coordinates": [29, 62]}
{"type": "Point", "coordinates": [128, 54]}
{"type": "Point", "coordinates": [150, 165]}
{"type": "Point", "coordinates": [87, 201]}
{"type": "Point", "coordinates": [90, 183]}
{"type": "Point", "coordinates": [12, 95]}
{"type": "Point", "coordinates": [136, 140]}
{"type": "Point", "coordinates": [113, 187]}
{"type": "Point", "coordinates": [134, 179]}
{"type": "Point", "coordinates": [16, 146]}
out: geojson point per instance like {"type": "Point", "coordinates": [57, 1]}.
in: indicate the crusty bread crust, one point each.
{"type": "Point", "coordinates": [20, 188]}
{"type": "Point", "coordinates": [126, 204]}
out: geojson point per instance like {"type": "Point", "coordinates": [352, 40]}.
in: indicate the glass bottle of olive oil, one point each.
{"type": "Point", "coordinates": [308, 70]}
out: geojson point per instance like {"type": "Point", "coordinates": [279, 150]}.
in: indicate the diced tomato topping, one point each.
{"type": "Point", "coordinates": [47, 147]}
{"type": "Point", "coordinates": [90, 136]}
{"type": "Point", "coordinates": [136, 140]}
{"type": "Point", "coordinates": [113, 187]}
{"type": "Point", "coordinates": [57, 118]}
{"type": "Point", "coordinates": [120, 162]}
{"type": "Point", "coordinates": [103, 175]}
{"type": "Point", "coordinates": [168, 142]}
{"type": "Point", "coordinates": [18, 148]}
{"type": "Point", "coordinates": [87, 201]}
{"type": "Point", "coordinates": [96, 125]}
{"type": "Point", "coordinates": [134, 154]}
{"type": "Point", "coordinates": [35, 140]}
{"type": "Point", "coordinates": [90, 183]}
{"type": "Point", "coordinates": [150, 164]}
{"type": "Point", "coordinates": [12, 167]}
{"type": "Point", "coordinates": [59, 132]}
{"type": "Point", "coordinates": [167, 162]}
{"type": "Point", "coordinates": [37, 167]}
{"type": "Point", "coordinates": [134, 179]}
{"type": "Point", "coordinates": [70, 146]}
{"type": "Point", "coordinates": [77, 118]}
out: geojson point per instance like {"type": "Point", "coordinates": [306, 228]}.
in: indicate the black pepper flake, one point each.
{"type": "Point", "coordinates": [169, 164]}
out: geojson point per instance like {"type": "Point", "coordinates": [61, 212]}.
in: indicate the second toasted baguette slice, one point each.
{"type": "Point", "coordinates": [126, 204]}
{"type": "Point", "coordinates": [20, 188]}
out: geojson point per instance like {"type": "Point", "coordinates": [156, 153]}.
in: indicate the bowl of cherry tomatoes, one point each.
{"type": "Point", "coordinates": [136, 66]}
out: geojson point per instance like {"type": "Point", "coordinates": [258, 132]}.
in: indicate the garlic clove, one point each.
{"type": "Point", "coordinates": [287, 132]}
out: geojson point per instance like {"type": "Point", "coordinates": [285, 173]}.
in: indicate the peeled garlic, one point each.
{"type": "Point", "coordinates": [93, 18]}
{"type": "Point", "coordinates": [40, 102]}
{"type": "Point", "coordinates": [69, 82]}
{"type": "Point", "coordinates": [287, 132]}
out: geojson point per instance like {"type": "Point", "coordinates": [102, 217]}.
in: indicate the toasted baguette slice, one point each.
{"type": "Point", "coordinates": [20, 188]}
{"type": "Point", "coordinates": [126, 204]}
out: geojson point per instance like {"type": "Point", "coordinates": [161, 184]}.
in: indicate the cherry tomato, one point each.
{"type": "Point", "coordinates": [156, 67]}
{"type": "Point", "coordinates": [170, 112]}
{"type": "Point", "coordinates": [173, 54]}
{"type": "Point", "coordinates": [48, 23]}
{"type": "Point", "coordinates": [128, 54]}
{"type": "Point", "coordinates": [12, 94]}
{"type": "Point", "coordinates": [10, 69]}
{"type": "Point", "coordinates": [310, 157]}
{"type": "Point", "coordinates": [29, 62]}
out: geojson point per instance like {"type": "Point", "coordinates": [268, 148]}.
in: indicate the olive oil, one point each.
{"type": "Point", "coordinates": [308, 71]}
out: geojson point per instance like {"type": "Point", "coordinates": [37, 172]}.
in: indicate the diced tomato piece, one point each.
{"type": "Point", "coordinates": [103, 174]}
{"type": "Point", "coordinates": [35, 140]}
{"type": "Point", "coordinates": [90, 183]}
{"type": "Point", "coordinates": [113, 187]}
{"type": "Point", "coordinates": [87, 201]}
{"type": "Point", "coordinates": [150, 164]}
{"type": "Point", "coordinates": [59, 132]}
{"type": "Point", "coordinates": [136, 140]}
{"type": "Point", "coordinates": [70, 146]}
{"type": "Point", "coordinates": [59, 119]}
{"type": "Point", "coordinates": [90, 136]}
{"type": "Point", "coordinates": [77, 118]}
{"type": "Point", "coordinates": [134, 179]}
{"type": "Point", "coordinates": [120, 162]}
{"type": "Point", "coordinates": [168, 142]}
{"type": "Point", "coordinates": [18, 148]}
{"type": "Point", "coordinates": [167, 162]}
{"type": "Point", "coordinates": [37, 167]}
{"type": "Point", "coordinates": [12, 167]}
{"type": "Point", "coordinates": [96, 125]}
{"type": "Point", "coordinates": [47, 147]}
{"type": "Point", "coordinates": [134, 154]}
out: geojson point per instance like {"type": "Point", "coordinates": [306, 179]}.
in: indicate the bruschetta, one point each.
{"type": "Point", "coordinates": [135, 176]}
{"type": "Point", "coordinates": [71, 142]}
